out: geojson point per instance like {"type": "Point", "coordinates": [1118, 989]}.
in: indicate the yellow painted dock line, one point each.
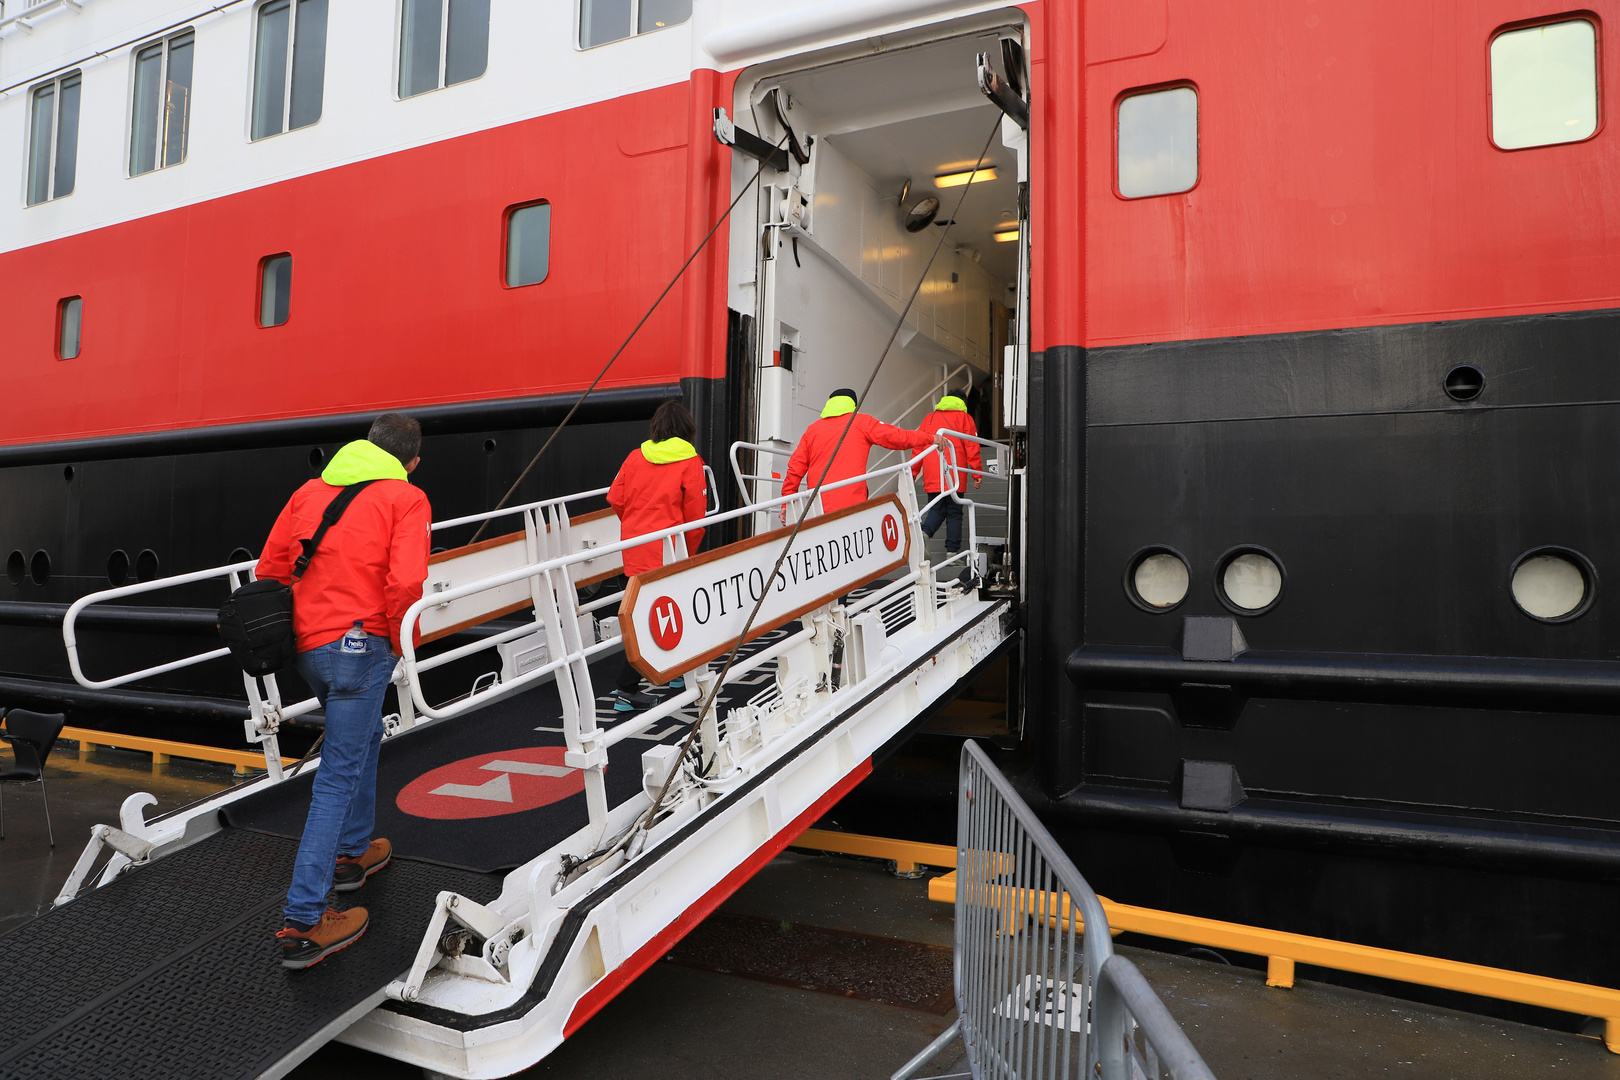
{"type": "Point", "coordinates": [1281, 949]}
{"type": "Point", "coordinates": [161, 749]}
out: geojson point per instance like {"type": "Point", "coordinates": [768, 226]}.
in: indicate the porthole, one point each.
{"type": "Point", "coordinates": [1553, 584]}
{"type": "Point", "coordinates": [146, 565]}
{"type": "Point", "coordinates": [67, 473]}
{"type": "Point", "coordinates": [489, 446]}
{"type": "Point", "coordinates": [317, 457]}
{"type": "Point", "coordinates": [16, 567]}
{"type": "Point", "coordinates": [39, 567]}
{"type": "Point", "coordinates": [1464, 382]}
{"type": "Point", "coordinates": [1156, 579]}
{"type": "Point", "coordinates": [118, 567]}
{"type": "Point", "coordinates": [1250, 580]}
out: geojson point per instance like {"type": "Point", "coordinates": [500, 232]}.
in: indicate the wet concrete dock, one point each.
{"type": "Point", "coordinates": [732, 1000]}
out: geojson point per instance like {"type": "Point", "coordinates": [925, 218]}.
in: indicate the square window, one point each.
{"type": "Point", "coordinates": [69, 314]}
{"type": "Point", "coordinates": [1544, 84]}
{"type": "Point", "coordinates": [528, 244]}
{"type": "Point", "coordinates": [275, 289]}
{"type": "Point", "coordinates": [1158, 142]}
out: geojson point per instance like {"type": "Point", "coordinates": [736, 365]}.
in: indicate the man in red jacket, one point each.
{"type": "Point", "coordinates": [949, 415]}
{"type": "Point", "coordinates": [816, 449]}
{"type": "Point", "coordinates": [347, 610]}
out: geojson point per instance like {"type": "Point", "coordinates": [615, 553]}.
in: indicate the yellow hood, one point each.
{"type": "Point", "coordinates": [838, 406]}
{"type": "Point", "coordinates": [668, 451]}
{"type": "Point", "coordinates": [362, 460]}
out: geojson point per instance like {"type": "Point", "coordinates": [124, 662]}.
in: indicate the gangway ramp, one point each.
{"type": "Point", "coordinates": [171, 972]}
{"type": "Point", "coordinates": [536, 876]}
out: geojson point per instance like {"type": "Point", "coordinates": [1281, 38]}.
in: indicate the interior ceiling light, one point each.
{"type": "Point", "coordinates": [1005, 234]}
{"type": "Point", "coordinates": [972, 176]}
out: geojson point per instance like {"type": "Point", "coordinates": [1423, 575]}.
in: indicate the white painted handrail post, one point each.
{"type": "Point", "coordinates": [585, 750]}
{"type": "Point", "coordinates": [923, 587]}
{"type": "Point", "coordinates": [264, 717]}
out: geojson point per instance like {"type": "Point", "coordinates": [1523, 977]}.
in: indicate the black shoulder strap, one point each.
{"type": "Point", "coordinates": [334, 510]}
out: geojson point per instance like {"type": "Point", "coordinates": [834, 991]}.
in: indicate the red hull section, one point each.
{"type": "Point", "coordinates": [398, 288]}
{"type": "Point", "coordinates": [1347, 175]}
{"type": "Point", "coordinates": [1347, 178]}
{"type": "Point", "coordinates": [592, 1001]}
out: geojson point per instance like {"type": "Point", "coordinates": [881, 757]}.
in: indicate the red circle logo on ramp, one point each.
{"type": "Point", "coordinates": [664, 621]}
{"type": "Point", "coordinates": [891, 532]}
{"type": "Point", "coordinates": [489, 785]}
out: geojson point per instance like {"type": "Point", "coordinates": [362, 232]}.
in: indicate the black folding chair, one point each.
{"type": "Point", "coordinates": [32, 737]}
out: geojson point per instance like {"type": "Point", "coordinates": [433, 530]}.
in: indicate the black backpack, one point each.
{"type": "Point", "coordinates": [256, 622]}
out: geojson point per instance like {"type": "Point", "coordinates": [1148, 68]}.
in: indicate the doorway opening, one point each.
{"type": "Point", "coordinates": [880, 148]}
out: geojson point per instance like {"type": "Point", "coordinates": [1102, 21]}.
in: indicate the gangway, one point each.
{"type": "Point", "coordinates": [535, 877]}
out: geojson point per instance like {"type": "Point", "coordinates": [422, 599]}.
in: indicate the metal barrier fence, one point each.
{"type": "Point", "coordinates": [1039, 990]}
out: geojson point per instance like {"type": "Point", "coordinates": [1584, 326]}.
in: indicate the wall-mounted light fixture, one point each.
{"type": "Point", "coordinates": [1005, 234]}
{"type": "Point", "coordinates": [971, 176]}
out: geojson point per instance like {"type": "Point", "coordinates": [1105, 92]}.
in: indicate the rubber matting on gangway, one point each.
{"type": "Point", "coordinates": [481, 791]}
{"type": "Point", "coordinates": [172, 971]}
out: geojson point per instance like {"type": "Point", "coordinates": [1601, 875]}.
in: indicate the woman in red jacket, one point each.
{"type": "Point", "coordinates": [659, 485]}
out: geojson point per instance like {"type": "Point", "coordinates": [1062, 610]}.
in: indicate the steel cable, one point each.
{"type": "Point", "coordinates": [645, 823]}
{"type": "Point", "coordinates": [617, 352]}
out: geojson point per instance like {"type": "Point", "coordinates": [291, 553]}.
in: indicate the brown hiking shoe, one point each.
{"type": "Point", "coordinates": [336, 930]}
{"type": "Point", "coordinates": [352, 870]}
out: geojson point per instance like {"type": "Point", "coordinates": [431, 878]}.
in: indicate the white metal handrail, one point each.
{"type": "Point", "coordinates": [559, 565]}
{"type": "Point", "coordinates": [557, 616]}
{"type": "Point", "coordinates": [743, 478]}
{"type": "Point", "coordinates": [944, 384]}
{"type": "Point", "coordinates": [69, 636]}
{"type": "Point", "coordinates": [265, 710]}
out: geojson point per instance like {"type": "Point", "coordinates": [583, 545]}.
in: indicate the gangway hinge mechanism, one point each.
{"type": "Point", "coordinates": [448, 947]}
{"type": "Point", "coordinates": [729, 134]}
{"type": "Point", "coordinates": [132, 845]}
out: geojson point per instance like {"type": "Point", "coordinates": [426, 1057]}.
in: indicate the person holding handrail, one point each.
{"type": "Point", "coordinates": [949, 415]}
{"type": "Point", "coordinates": [815, 449]}
{"type": "Point", "coordinates": [660, 485]}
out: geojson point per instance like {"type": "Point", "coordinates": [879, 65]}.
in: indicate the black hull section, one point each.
{"type": "Point", "coordinates": [197, 499]}
{"type": "Point", "coordinates": [1394, 753]}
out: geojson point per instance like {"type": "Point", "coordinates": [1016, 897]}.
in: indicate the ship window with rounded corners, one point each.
{"type": "Point", "coordinates": [603, 21]}
{"type": "Point", "coordinates": [528, 244]}
{"type": "Point", "coordinates": [69, 323]}
{"type": "Point", "coordinates": [275, 289]}
{"type": "Point", "coordinates": [160, 117]}
{"type": "Point", "coordinates": [53, 138]}
{"type": "Point", "coordinates": [441, 43]}
{"type": "Point", "coordinates": [1158, 142]}
{"type": "Point", "coordinates": [289, 66]}
{"type": "Point", "coordinates": [1544, 84]}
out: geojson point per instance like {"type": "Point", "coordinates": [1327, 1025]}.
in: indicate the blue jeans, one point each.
{"type": "Point", "coordinates": [343, 802]}
{"type": "Point", "coordinates": [949, 511]}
